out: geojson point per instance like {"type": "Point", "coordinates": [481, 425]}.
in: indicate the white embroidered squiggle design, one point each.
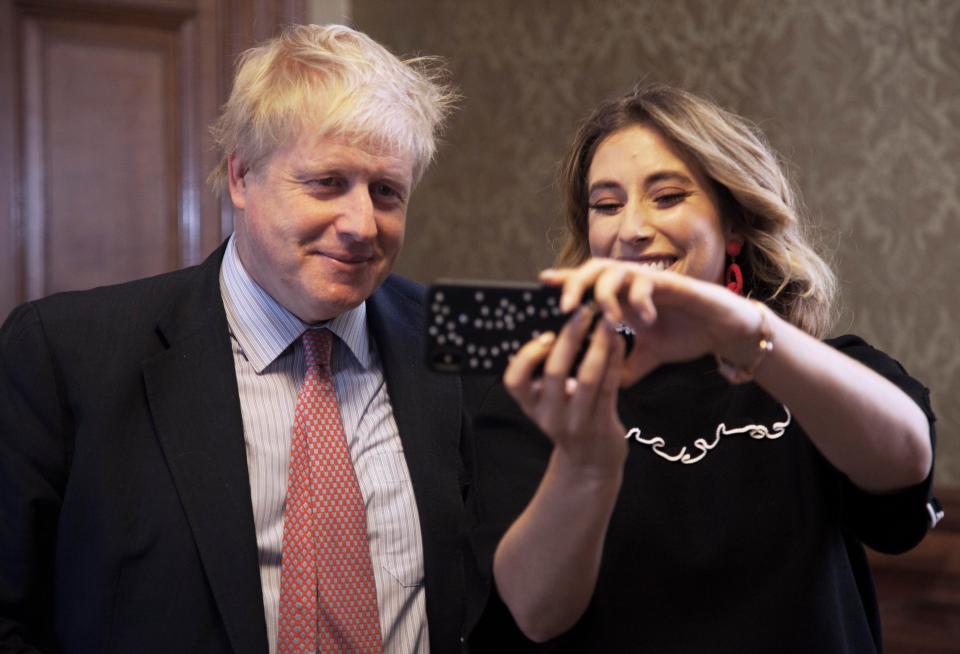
{"type": "Point", "coordinates": [757, 432]}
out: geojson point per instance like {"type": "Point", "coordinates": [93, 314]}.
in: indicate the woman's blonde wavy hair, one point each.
{"type": "Point", "coordinates": [337, 82]}
{"type": "Point", "coordinates": [757, 200]}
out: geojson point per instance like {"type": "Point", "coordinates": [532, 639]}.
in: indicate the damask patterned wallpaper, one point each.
{"type": "Point", "coordinates": [861, 96]}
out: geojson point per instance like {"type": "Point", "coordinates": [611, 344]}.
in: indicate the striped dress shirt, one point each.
{"type": "Point", "coordinates": [270, 365]}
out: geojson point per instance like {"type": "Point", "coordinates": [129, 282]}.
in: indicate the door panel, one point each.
{"type": "Point", "coordinates": [104, 150]}
{"type": "Point", "coordinates": [102, 175]}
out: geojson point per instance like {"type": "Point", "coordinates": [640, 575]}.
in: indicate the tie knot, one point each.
{"type": "Point", "coordinates": [316, 347]}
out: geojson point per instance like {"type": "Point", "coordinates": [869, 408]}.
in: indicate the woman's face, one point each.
{"type": "Point", "coordinates": [646, 204]}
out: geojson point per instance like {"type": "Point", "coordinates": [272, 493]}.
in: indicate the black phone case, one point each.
{"type": "Point", "coordinates": [474, 327]}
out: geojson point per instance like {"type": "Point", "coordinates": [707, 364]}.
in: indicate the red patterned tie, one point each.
{"type": "Point", "coordinates": [328, 598]}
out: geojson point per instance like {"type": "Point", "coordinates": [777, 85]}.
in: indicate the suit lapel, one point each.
{"type": "Point", "coordinates": [192, 392]}
{"type": "Point", "coordinates": [427, 408]}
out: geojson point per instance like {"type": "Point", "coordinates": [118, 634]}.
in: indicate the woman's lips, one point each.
{"type": "Point", "coordinates": [652, 262]}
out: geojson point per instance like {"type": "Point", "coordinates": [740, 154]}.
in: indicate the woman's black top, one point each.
{"type": "Point", "coordinates": [731, 532]}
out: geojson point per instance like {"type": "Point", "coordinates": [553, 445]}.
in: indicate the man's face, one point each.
{"type": "Point", "coordinates": [322, 222]}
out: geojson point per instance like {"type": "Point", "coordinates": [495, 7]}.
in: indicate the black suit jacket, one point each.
{"type": "Point", "coordinates": [125, 515]}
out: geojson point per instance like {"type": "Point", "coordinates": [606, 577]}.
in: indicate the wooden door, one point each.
{"type": "Point", "coordinates": [104, 109]}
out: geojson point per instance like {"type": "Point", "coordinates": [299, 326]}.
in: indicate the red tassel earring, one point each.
{"type": "Point", "coordinates": [734, 273]}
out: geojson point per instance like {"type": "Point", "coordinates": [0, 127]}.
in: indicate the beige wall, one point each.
{"type": "Point", "coordinates": [328, 11]}
{"type": "Point", "coordinates": [863, 97]}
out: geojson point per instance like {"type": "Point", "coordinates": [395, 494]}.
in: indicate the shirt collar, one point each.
{"type": "Point", "coordinates": [264, 328]}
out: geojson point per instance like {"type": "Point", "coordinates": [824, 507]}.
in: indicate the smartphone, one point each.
{"type": "Point", "coordinates": [476, 326]}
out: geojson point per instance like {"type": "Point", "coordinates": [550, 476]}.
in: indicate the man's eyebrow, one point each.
{"type": "Point", "coordinates": [393, 176]}
{"type": "Point", "coordinates": [396, 177]}
{"type": "Point", "coordinates": [310, 170]}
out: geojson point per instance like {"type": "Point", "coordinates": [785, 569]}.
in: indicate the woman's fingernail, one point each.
{"type": "Point", "coordinates": [546, 338]}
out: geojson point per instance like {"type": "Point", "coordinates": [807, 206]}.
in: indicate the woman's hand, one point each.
{"type": "Point", "coordinates": [674, 317]}
{"type": "Point", "coordinates": [579, 414]}
{"type": "Point", "coordinates": [546, 565]}
{"type": "Point", "coordinates": [863, 424]}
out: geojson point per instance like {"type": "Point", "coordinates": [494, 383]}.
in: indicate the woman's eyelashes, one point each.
{"type": "Point", "coordinates": [669, 199]}
{"type": "Point", "coordinates": [605, 206]}
{"type": "Point", "coordinates": [664, 200]}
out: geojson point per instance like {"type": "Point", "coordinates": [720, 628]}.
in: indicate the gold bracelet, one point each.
{"type": "Point", "coordinates": [736, 374]}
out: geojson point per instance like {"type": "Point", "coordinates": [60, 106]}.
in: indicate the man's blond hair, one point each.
{"type": "Point", "coordinates": [336, 82]}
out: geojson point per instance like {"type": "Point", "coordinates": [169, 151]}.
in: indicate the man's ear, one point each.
{"type": "Point", "coordinates": [237, 180]}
